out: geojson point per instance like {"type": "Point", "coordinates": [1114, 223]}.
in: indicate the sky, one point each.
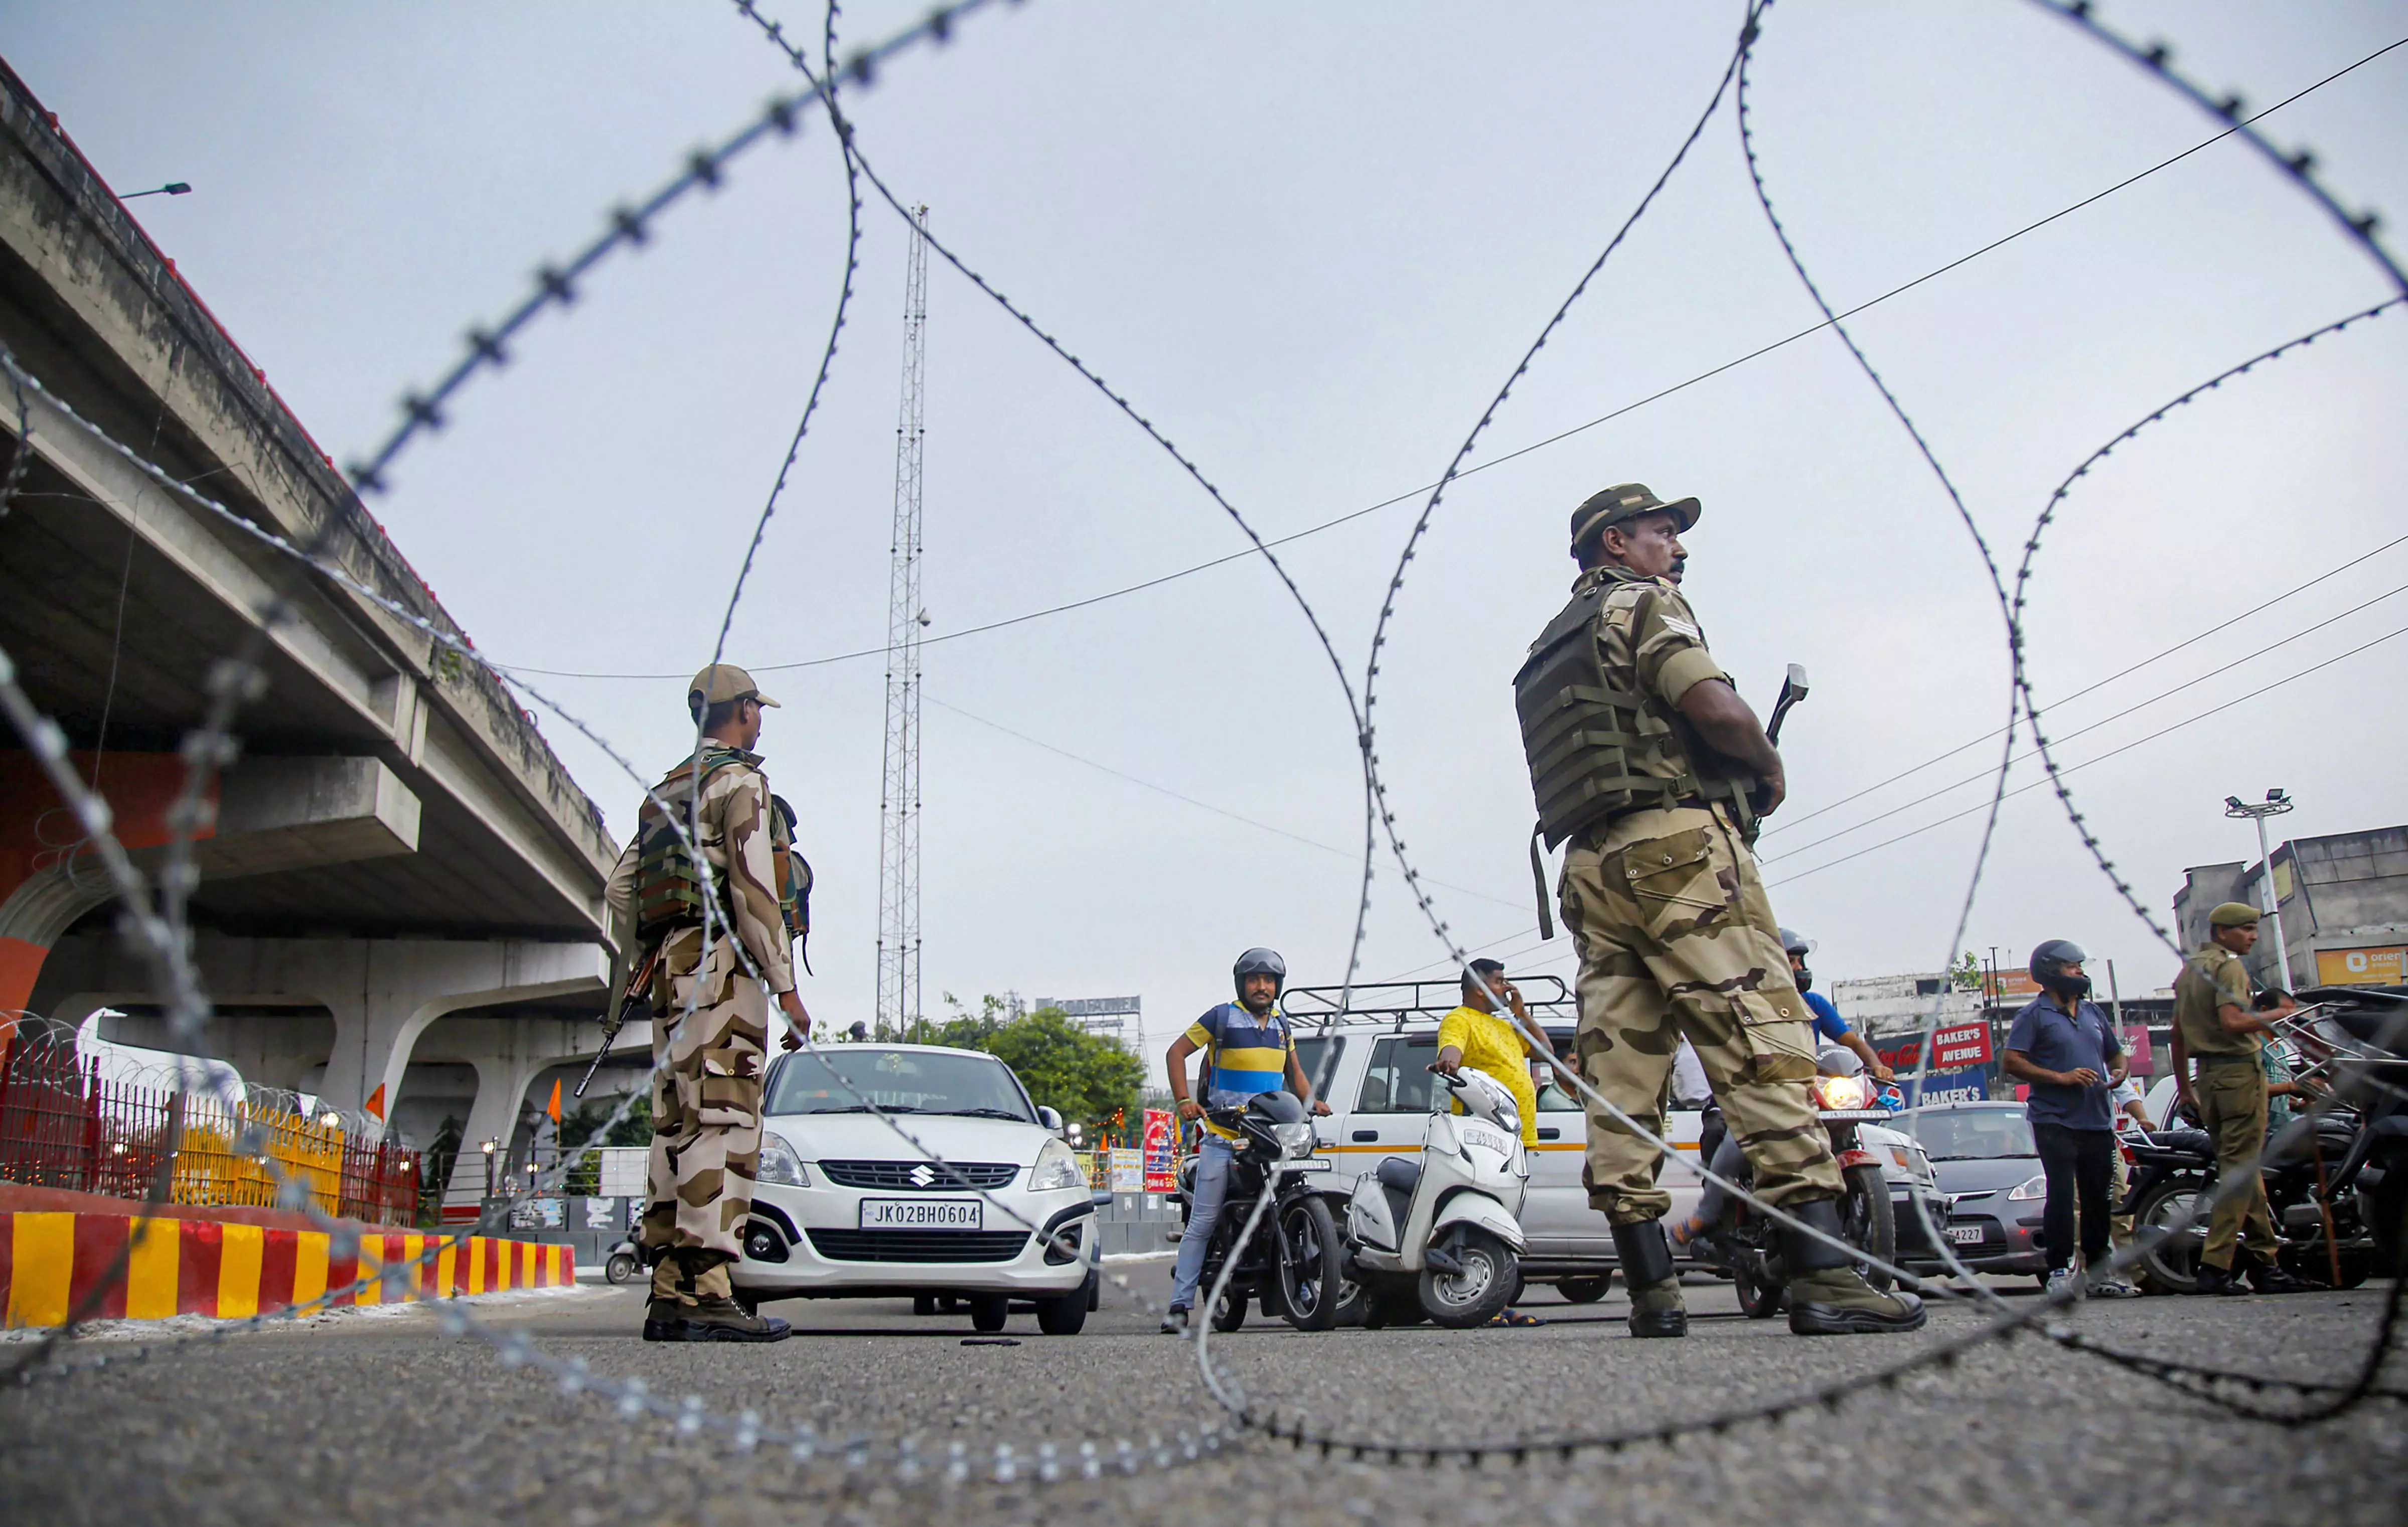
{"type": "Point", "coordinates": [1309, 244]}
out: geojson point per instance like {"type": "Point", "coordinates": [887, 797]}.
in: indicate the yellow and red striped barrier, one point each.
{"type": "Point", "coordinates": [51, 1262]}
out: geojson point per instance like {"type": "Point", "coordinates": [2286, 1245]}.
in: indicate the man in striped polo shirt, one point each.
{"type": "Point", "coordinates": [1249, 1049]}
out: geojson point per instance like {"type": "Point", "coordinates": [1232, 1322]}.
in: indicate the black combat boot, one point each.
{"type": "Point", "coordinates": [723, 1320]}
{"type": "Point", "coordinates": [1826, 1297]}
{"type": "Point", "coordinates": [1647, 1272]}
{"type": "Point", "coordinates": [663, 1319]}
{"type": "Point", "coordinates": [2267, 1276]}
{"type": "Point", "coordinates": [2217, 1280]}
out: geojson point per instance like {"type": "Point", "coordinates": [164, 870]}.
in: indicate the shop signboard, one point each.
{"type": "Point", "coordinates": [1161, 1164]}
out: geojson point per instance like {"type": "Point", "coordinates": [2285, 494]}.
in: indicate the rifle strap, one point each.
{"type": "Point", "coordinates": [1538, 882]}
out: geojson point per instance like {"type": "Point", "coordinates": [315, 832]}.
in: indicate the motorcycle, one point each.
{"type": "Point", "coordinates": [1441, 1236]}
{"type": "Point", "coordinates": [2337, 1191]}
{"type": "Point", "coordinates": [1290, 1266]}
{"type": "Point", "coordinates": [1844, 1099]}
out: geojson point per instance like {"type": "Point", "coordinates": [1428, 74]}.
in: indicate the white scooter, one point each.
{"type": "Point", "coordinates": [1441, 1236]}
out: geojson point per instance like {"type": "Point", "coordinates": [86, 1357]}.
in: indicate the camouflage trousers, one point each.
{"type": "Point", "coordinates": [1676, 938]}
{"type": "Point", "coordinates": [2232, 1109]}
{"type": "Point", "coordinates": [706, 1116]}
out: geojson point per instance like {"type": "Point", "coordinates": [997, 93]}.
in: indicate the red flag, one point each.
{"type": "Point", "coordinates": [376, 1103]}
{"type": "Point", "coordinates": [552, 1108]}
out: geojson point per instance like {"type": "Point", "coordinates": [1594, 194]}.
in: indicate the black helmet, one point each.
{"type": "Point", "coordinates": [1259, 963]}
{"type": "Point", "coordinates": [1796, 943]}
{"type": "Point", "coordinates": [2048, 964]}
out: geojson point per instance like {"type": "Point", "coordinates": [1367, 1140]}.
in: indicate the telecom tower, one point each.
{"type": "Point", "coordinates": [899, 850]}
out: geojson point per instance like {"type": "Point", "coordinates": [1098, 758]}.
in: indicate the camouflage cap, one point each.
{"type": "Point", "coordinates": [1625, 501]}
{"type": "Point", "coordinates": [723, 682]}
{"type": "Point", "coordinates": [2234, 914]}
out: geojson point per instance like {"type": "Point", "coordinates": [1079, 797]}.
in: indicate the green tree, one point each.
{"type": "Point", "coordinates": [1966, 975]}
{"type": "Point", "coordinates": [1085, 1077]}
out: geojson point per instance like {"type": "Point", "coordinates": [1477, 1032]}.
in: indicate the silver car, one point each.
{"type": "Point", "coordinates": [1987, 1170]}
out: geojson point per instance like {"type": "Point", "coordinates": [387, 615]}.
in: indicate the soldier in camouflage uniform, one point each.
{"type": "Point", "coordinates": [710, 1015]}
{"type": "Point", "coordinates": [1644, 756]}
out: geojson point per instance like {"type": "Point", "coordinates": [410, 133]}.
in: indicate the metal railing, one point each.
{"type": "Point", "coordinates": [64, 1125]}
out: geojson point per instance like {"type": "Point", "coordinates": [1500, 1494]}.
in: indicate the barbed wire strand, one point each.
{"type": "Point", "coordinates": [687, 1414]}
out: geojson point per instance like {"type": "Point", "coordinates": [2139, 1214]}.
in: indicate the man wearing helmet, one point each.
{"type": "Point", "coordinates": [1827, 1023]}
{"type": "Point", "coordinates": [2063, 1047]}
{"type": "Point", "coordinates": [1249, 1048]}
{"type": "Point", "coordinates": [1644, 757]}
{"type": "Point", "coordinates": [2215, 1026]}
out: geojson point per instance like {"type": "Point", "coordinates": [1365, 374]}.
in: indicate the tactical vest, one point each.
{"type": "Point", "coordinates": [1588, 740]}
{"type": "Point", "coordinates": [668, 886]}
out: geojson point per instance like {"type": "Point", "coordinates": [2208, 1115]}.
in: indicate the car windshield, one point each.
{"type": "Point", "coordinates": [1971, 1134]}
{"type": "Point", "coordinates": [845, 1080]}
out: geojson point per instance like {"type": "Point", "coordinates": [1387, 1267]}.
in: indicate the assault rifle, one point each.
{"type": "Point", "coordinates": [635, 1005]}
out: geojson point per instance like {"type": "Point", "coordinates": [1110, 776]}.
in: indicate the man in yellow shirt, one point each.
{"type": "Point", "coordinates": [1473, 1035]}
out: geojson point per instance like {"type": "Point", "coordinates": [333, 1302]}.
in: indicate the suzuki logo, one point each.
{"type": "Point", "coordinates": [922, 1177]}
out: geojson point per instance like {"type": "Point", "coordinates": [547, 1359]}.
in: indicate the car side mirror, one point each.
{"type": "Point", "coordinates": [1052, 1120]}
{"type": "Point", "coordinates": [1542, 1077]}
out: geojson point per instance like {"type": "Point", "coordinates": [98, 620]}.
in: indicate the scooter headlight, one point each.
{"type": "Point", "coordinates": [1295, 1140]}
{"type": "Point", "coordinates": [780, 1166]}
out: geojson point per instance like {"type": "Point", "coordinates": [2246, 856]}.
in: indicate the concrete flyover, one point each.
{"type": "Point", "coordinates": [397, 874]}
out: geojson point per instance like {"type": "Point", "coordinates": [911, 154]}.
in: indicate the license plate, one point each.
{"type": "Point", "coordinates": [1966, 1234]}
{"type": "Point", "coordinates": [923, 1214]}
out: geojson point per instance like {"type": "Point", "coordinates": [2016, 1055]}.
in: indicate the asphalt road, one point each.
{"type": "Point", "coordinates": [382, 1417]}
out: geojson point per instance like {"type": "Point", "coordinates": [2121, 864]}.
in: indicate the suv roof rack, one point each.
{"type": "Point", "coordinates": [1396, 1003]}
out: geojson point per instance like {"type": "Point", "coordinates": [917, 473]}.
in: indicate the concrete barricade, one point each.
{"type": "Point", "coordinates": [50, 1263]}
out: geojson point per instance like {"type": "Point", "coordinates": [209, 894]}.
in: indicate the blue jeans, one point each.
{"type": "Point", "coordinates": [1203, 1212]}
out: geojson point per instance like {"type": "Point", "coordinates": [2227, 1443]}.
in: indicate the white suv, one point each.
{"type": "Point", "coordinates": [1378, 1088]}
{"type": "Point", "coordinates": [846, 1207]}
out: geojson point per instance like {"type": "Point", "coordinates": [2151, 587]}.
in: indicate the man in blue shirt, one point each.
{"type": "Point", "coordinates": [1248, 1049]}
{"type": "Point", "coordinates": [1827, 1023]}
{"type": "Point", "coordinates": [2064, 1048]}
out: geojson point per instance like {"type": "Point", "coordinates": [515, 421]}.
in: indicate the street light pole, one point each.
{"type": "Point", "coordinates": [2277, 802]}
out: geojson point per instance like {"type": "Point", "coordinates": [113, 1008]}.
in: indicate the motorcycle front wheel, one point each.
{"type": "Point", "coordinates": [621, 1268]}
{"type": "Point", "coordinates": [1307, 1278]}
{"type": "Point", "coordinates": [1867, 1222]}
{"type": "Point", "coordinates": [1480, 1292]}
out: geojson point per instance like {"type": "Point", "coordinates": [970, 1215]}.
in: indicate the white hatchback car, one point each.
{"type": "Point", "coordinates": [847, 1208]}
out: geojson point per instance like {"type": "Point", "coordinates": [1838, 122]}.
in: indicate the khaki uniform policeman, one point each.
{"type": "Point", "coordinates": [1643, 755]}
{"type": "Point", "coordinates": [2214, 1028]}
{"type": "Point", "coordinates": [710, 1013]}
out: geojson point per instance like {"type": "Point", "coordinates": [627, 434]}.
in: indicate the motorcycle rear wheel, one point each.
{"type": "Point", "coordinates": [621, 1268]}
{"type": "Point", "coordinates": [1231, 1312]}
{"type": "Point", "coordinates": [1757, 1300]}
{"type": "Point", "coordinates": [1584, 1291]}
{"type": "Point", "coordinates": [1478, 1293]}
{"type": "Point", "coordinates": [2170, 1263]}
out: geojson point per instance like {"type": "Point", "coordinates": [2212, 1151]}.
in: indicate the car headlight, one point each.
{"type": "Point", "coordinates": [1056, 1167]}
{"type": "Point", "coordinates": [1296, 1140]}
{"type": "Point", "coordinates": [780, 1166]}
{"type": "Point", "coordinates": [2031, 1187]}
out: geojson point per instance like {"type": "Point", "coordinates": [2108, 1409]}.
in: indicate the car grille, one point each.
{"type": "Point", "coordinates": [918, 1245]}
{"type": "Point", "coordinates": [920, 1176]}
